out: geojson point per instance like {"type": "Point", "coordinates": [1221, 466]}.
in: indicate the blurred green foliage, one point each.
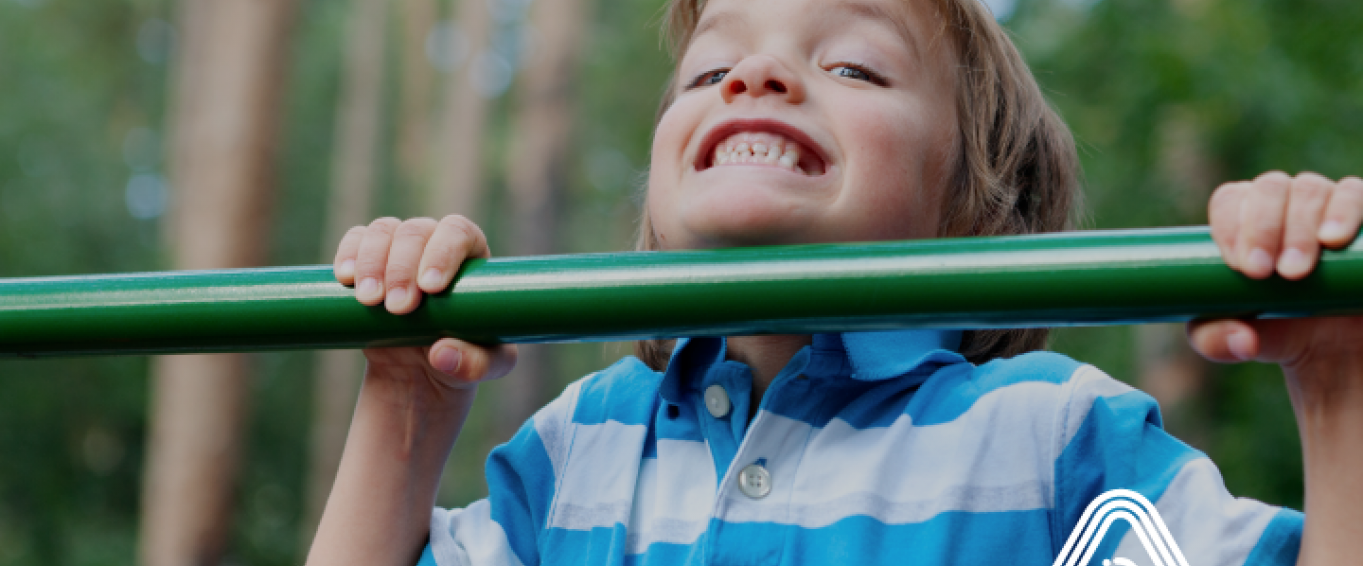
{"type": "Point", "coordinates": [1166, 98]}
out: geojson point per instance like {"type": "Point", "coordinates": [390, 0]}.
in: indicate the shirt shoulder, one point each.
{"type": "Point", "coordinates": [626, 392]}
{"type": "Point", "coordinates": [1037, 383]}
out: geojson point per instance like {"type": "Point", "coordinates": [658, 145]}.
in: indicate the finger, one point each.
{"type": "Point", "coordinates": [344, 265]}
{"type": "Point", "coordinates": [1261, 225]}
{"type": "Point", "coordinates": [455, 239]}
{"type": "Point", "coordinates": [471, 363]}
{"type": "Point", "coordinates": [1225, 341]}
{"type": "Point", "coordinates": [1305, 208]}
{"type": "Point", "coordinates": [1343, 214]}
{"type": "Point", "coordinates": [373, 259]}
{"type": "Point", "coordinates": [399, 278]}
{"type": "Point", "coordinates": [1223, 212]}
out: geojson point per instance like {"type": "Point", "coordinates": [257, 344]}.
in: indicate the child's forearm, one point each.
{"type": "Point", "coordinates": [1330, 417]}
{"type": "Point", "coordinates": [380, 505]}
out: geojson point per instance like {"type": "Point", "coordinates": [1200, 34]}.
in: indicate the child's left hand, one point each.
{"type": "Point", "coordinates": [1278, 224]}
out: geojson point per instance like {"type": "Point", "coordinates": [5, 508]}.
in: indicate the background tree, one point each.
{"type": "Point", "coordinates": [359, 117]}
{"type": "Point", "coordinates": [536, 164]}
{"type": "Point", "coordinates": [226, 103]}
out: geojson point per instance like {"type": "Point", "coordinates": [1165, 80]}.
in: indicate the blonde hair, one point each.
{"type": "Point", "coordinates": [1017, 171]}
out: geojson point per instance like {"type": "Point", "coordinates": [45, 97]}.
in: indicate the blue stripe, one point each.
{"type": "Point", "coordinates": [427, 559]}
{"type": "Point", "coordinates": [952, 391]}
{"type": "Point", "coordinates": [521, 483]}
{"type": "Point", "coordinates": [1018, 537]}
{"type": "Point", "coordinates": [601, 546]}
{"type": "Point", "coordinates": [1120, 445]}
{"type": "Point", "coordinates": [1281, 541]}
{"type": "Point", "coordinates": [626, 392]}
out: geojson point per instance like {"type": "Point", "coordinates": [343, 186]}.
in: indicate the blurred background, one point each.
{"type": "Point", "coordinates": [163, 134]}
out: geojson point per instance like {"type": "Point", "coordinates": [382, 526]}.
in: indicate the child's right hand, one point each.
{"type": "Point", "coordinates": [394, 262]}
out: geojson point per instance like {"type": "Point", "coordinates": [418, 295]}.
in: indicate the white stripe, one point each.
{"type": "Point", "coordinates": [917, 472]}
{"type": "Point", "coordinates": [597, 485]}
{"type": "Point", "coordinates": [469, 537]}
{"type": "Point", "coordinates": [1086, 385]}
{"type": "Point", "coordinates": [553, 424]}
{"type": "Point", "coordinates": [1211, 526]}
{"type": "Point", "coordinates": [673, 498]}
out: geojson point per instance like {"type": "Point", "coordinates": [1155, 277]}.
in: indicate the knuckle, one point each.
{"type": "Point", "coordinates": [465, 229]}
{"type": "Point", "coordinates": [1351, 186]}
{"type": "Point", "coordinates": [415, 227]}
{"type": "Point", "coordinates": [385, 225]}
{"type": "Point", "coordinates": [1273, 178]}
{"type": "Point", "coordinates": [453, 219]}
{"type": "Point", "coordinates": [398, 274]}
{"type": "Point", "coordinates": [1311, 185]}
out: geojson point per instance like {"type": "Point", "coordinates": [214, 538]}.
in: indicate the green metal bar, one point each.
{"type": "Point", "coordinates": [1076, 278]}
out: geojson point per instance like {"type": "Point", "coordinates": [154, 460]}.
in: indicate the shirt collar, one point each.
{"type": "Point", "coordinates": [863, 356]}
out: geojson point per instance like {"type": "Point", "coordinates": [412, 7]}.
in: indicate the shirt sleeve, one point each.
{"type": "Point", "coordinates": [1110, 437]}
{"type": "Point", "coordinates": [504, 528]}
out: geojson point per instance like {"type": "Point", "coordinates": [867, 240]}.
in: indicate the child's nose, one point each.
{"type": "Point", "coordinates": [762, 75]}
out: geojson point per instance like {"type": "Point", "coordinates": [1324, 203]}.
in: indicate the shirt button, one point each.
{"type": "Point", "coordinates": [717, 401]}
{"type": "Point", "coordinates": [754, 481]}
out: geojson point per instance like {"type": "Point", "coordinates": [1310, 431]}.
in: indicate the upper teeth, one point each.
{"type": "Point", "coordinates": [759, 147]}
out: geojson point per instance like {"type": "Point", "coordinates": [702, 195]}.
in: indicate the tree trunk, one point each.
{"type": "Point", "coordinates": [226, 99]}
{"type": "Point", "coordinates": [359, 115]}
{"type": "Point", "coordinates": [418, 18]}
{"type": "Point", "coordinates": [459, 161]}
{"type": "Point", "coordinates": [540, 143]}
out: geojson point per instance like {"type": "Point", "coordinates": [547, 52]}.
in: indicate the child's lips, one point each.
{"type": "Point", "coordinates": [761, 142]}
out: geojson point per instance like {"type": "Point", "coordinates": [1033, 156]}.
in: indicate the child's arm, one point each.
{"type": "Point", "coordinates": [1277, 224]}
{"type": "Point", "coordinates": [413, 400]}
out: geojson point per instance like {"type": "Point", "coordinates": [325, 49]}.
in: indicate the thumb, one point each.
{"type": "Point", "coordinates": [1225, 341]}
{"type": "Point", "coordinates": [1231, 340]}
{"type": "Point", "coordinates": [470, 363]}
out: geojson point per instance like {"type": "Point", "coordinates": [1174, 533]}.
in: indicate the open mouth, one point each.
{"type": "Point", "coordinates": [763, 144]}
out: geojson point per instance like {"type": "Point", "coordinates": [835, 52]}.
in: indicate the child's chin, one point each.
{"type": "Point", "coordinates": [741, 222]}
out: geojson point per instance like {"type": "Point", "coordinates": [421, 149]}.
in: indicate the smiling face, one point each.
{"type": "Point", "coordinates": [799, 121]}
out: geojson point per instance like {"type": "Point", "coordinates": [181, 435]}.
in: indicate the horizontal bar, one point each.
{"type": "Point", "coordinates": [1074, 278]}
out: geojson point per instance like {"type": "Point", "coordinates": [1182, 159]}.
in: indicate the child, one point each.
{"type": "Point", "coordinates": [797, 121]}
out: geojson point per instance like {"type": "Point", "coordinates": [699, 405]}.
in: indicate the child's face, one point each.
{"type": "Point", "coordinates": [850, 105]}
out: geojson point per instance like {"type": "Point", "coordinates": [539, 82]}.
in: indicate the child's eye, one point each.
{"type": "Point", "coordinates": [858, 72]}
{"type": "Point", "coordinates": [711, 77]}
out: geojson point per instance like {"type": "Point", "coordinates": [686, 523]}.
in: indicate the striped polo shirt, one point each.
{"type": "Point", "coordinates": [868, 448]}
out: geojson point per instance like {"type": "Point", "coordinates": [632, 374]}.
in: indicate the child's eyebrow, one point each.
{"type": "Point", "coordinates": [880, 14]}
{"type": "Point", "coordinates": [722, 20]}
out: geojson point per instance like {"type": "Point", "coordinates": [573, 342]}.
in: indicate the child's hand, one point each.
{"type": "Point", "coordinates": [394, 262]}
{"type": "Point", "coordinates": [1278, 224]}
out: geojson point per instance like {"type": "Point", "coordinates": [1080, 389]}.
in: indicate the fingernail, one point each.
{"type": "Point", "coordinates": [397, 297]}
{"type": "Point", "coordinates": [368, 288]}
{"type": "Point", "coordinates": [447, 360]}
{"type": "Point", "coordinates": [1241, 344]}
{"type": "Point", "coordinates": [1259, 262]}
{"type": "Point", "coordinates": [1333, 231]}
{"type": "Point", "coordinates": [346, 269]}
{"type": "Point", "coordinates": [1293, 262]}
{"type": "Point", "coordinates": [432, 278]}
